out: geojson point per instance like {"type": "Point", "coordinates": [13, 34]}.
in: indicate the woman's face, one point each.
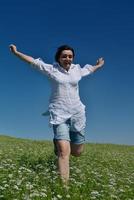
{"type": "Point", "coordinates": [66, 58]}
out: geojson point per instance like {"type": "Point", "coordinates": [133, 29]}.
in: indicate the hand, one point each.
{"type": "Point", "coordinates": [100, 62]}
{"type": "Point", "coordinates": [13, 48]}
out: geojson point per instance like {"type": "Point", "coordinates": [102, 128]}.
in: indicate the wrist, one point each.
{"type": "Point", "coordinates": [16, 53]}
{"type": "Point", "coordinates": [98, 65]}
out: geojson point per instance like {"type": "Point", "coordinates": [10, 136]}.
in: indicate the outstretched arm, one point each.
{"type": "Point", "coordinates": [99, 64]}
{"type": "Point", "coordinates": [20, 55]}
{"type": "Point", "coordinates": [36, 63]}
{"type": "Point", "coordinates": [88, 69]}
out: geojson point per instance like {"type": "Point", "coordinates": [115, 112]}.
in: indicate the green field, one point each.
{"type": "Point", "coordinates": [28, 172]}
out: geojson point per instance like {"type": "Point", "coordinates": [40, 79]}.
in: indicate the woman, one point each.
{"type": "Point", "coordinates": [66, 111]}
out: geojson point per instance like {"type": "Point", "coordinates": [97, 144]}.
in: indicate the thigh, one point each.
{"type": "Point", "coordinates": [77, 137]}
{"type": "Point", "coordinates": [61, 131]}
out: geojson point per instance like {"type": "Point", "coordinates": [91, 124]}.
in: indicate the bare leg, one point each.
{"type": "Point", "coordinates": [63, 152]}
{"type": "Point", "coordinates": [76, 149]}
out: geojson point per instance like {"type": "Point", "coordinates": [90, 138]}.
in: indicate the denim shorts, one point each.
{"type": "Point", "coordinates": [64, 131]}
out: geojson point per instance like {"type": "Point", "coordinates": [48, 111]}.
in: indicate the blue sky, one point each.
{"type": "Point", "coordinates": [94, 28]}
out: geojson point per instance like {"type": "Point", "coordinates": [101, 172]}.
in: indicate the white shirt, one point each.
{"type": "Point", "coordinates": [65, 101]}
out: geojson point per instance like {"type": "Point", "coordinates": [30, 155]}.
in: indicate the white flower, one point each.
{"type": "Point", "coordinates": [19, 182]}
{"type": "Point", "coordinates": [95, 193]}
{"type": "Point", "coordinates": [29, 186]}
{"type": "Point", "coordinates": [34, 194]}
{"type": "Point", "coordinates": [43, 194]}
{"type": "Point", "coordinates": [113, 196]}
{"type": "Point", "coordinates": [68, 196]}
{"type": "Point", "coordinates": [16, 187]}
{"type": "Point", "coordinates": [1, 188]}
{"type": "Point", "coordinates": [6, 185]}
{"type": "Point", "coordinates": [54, 198]}
{"type": "Point", "coordinates": [59, 196]}
{"type": "Point", "coordinates": [10, 175]}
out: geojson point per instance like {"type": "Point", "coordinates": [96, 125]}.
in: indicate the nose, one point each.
{"type": "Point", "coordinates": [68, 58]}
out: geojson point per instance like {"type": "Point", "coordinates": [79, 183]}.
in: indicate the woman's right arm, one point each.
{"type": "Point", "coordinates": [36, 63]}
{"type": "Point", "coordinates": [20, 55]}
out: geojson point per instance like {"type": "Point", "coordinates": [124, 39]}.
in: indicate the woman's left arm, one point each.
{"type": "Point", "coordinates": [89, 69]}
{"type": "Point", "coordinates": [99, 64]}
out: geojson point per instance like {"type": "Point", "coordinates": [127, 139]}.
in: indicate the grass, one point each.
{"type": "Point", "coordinates": [28, 172]}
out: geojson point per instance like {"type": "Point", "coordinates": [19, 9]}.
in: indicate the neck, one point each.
{"type": "Point", "coordinates": [65, 68]}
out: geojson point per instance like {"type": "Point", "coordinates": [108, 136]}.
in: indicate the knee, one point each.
{"type": "Point", "coordinates": [62, 148]}
{"type": "Point", "coordinates": [76, 150]}
{"type": "Point", "coordinates": [63, 154]}
{"type": "Point", "coordinates": [76, 153]}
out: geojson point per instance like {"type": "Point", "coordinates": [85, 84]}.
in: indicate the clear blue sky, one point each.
{"type": "Point", "coordinates": [93, 28]}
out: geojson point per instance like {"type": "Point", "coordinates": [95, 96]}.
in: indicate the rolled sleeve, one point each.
{"type": "Point", "coordinates": [86, 70]}
{"type": "Point", "coordinates": [40, 65]}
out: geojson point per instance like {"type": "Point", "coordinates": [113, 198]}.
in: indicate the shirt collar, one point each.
{"type": "Point", "coordinates": [62, 69]}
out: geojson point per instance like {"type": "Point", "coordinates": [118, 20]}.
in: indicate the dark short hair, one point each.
{"type": "Point", "coordinates": [62, 48]}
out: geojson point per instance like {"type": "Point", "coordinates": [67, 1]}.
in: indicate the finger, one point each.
{"type": "Point", "coordinates": [11, 48]}
{"type": "Point", "coordinates": [101, 58]}
{"type": "Point", "coordinates": [12, 45]}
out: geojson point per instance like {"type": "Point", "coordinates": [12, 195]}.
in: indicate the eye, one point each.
{"type": "Point", "coordinates": [64, 56]}
{"type": "Point", "coordinates": [70, 56]}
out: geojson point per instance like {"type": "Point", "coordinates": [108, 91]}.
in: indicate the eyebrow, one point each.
{"type": "Point", "coordinates": [67, 54]}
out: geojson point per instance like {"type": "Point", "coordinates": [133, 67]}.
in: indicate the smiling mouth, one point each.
{"type": "Point", "coordinates": [67, 63]}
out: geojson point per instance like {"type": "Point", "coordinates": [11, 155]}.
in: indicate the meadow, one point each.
{"type": "Point", "coordinates": [28, 172]}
